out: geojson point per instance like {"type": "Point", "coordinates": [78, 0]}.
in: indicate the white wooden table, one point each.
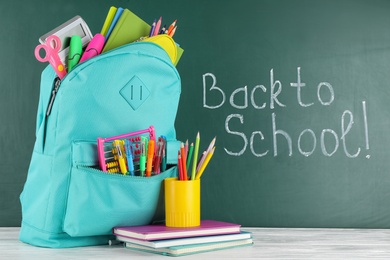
{"type": "Point", "coordinates": [269, 243]}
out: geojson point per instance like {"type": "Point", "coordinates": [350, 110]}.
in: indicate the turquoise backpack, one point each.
{"type": "Point", "coordinates": [67, 201]}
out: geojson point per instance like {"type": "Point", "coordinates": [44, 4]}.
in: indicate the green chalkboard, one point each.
{"type": "Point", "coordinates": [296, 92]}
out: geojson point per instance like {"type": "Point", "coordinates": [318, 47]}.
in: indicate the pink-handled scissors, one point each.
{"type": "Point", "coordinates": [51, 47]}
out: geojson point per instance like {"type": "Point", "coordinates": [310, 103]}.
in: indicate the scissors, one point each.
{"type": "Point", "coordinates": [51, 47]}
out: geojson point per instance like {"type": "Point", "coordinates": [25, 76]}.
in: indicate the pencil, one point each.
{"type": "Point", "coordinates": [179, 166]}
{"type": "Point", "coordinates": [183, 161]}
{"type": "Point", "coordinates": [189, 156]}
{"type": "Point", "coordinates": [204, 165]}
{"type": "Point", "coordinates": [194, 162]}
{"type": "Point", "coordinates": [170, 28]}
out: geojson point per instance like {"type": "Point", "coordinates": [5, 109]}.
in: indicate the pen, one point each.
{"type": "Point", "coordinates": [149, 162]}
{"type": "Point", "coordinates": [157, 160]}
{"type": "Point", "coordinates": [164, 155]}
{"type": "Point", "coordinates": [142, 158]}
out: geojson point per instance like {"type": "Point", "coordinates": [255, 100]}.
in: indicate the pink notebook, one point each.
{"type": "Point", "coordinates": [154, 232]}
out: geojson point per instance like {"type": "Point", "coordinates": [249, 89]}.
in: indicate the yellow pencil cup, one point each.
{"type": "Point", "coordinates": [182, 203]}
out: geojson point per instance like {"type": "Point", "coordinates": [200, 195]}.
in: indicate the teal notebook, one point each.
{"type": "Point", "coordinates": [185, 241]}
{"type": "Point", "coordinates": [191, 249]}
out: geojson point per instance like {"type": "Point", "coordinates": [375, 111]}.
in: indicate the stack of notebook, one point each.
{"type": "Point", "coordinates": [210, 235]}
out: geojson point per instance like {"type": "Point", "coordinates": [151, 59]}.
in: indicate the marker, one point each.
{"type": "Point", "coordinates": [158, 25]}
{"type": "Point", "coordinates": [107, 22]}
{"type": "Point", "coordinates": [197, 141]}
{"type": "Point", "coordinates": [164, 155]}
{"type": "Point", "coordinates": [159, 152]}
{"type": "Point", "coordinates": [118, 14]}
{"type": "Point", "coordinates": [94, 47]}
{"type": "Point", "coordinates": [142, 159]}
{"type": "Point", "coordinates": [129, 157]}
{"type": "Point", "coordinates": [75, 50]}
{"type": "Point", "coordinates": [204, 165]}
{"type": "Point", "coordinates": [149, 162]}
{"type": "Point", "coordinates": [121, 159]}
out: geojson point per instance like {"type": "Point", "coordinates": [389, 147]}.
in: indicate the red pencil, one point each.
{"type": "Point", "coordinates": [179, 166]}
{"type": "Point", "coordinates": [183, 162]}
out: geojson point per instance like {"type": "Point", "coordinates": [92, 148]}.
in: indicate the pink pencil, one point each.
{"type": "Point", "coordinates": [157, 28]}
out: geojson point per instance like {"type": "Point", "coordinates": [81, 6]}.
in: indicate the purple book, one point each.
{"type": "Point", "coordinates": [154, 232]}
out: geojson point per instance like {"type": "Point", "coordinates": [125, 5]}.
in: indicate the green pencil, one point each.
{"type": "Point", "coordinates": [195, 160]}
{"type": "Point", "coordinates": [189, 156]}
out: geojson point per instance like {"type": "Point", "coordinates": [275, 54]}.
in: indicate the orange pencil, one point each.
{"type": "Point", "coordinates": [173, 31]}
{"type": "Point", "coordinates": [170, 28]}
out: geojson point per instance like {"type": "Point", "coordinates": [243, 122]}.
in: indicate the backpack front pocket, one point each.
{"type": "Point", "coordinates": [99, 201]}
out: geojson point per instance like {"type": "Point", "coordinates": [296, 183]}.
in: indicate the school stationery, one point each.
{"type": "Point", "coordinates": [204, 164]}
{"type": "Point", "coordinates": [94, 48]}
{"type": "Point", "coordinates": [195, 160]}
{"type": "Point", "coordinates": [167, 43]}
{"type": "Point", "coordinates": [67, 200]}
{"type": "Point", "coordinates": [185, 241]}
{"type": "Point", "coordinates": [157, 28]}
{"type": "Point", "coordinates": [108, 20]}
{"type": "Point", "coordinates": [182, 202]}
{"type": "Point", "coordinates": [118, 14]}
{"type": "Point", "coordinates": [171, 27]}
{"type": "Point", "coordinates": [51, 48]}
{"type": "Point", "coordinates": [75, 26]}
{"type": "Point", "coordinates": [191, 249]}
{"type": "Point", "coordinates": [161, 231]}
{"type": "Point", "coordinates": [75, 51]}
{"type": "Point", "coordinates": [108, 152]}
{"type": "Point", "coordinates": [128, 28]}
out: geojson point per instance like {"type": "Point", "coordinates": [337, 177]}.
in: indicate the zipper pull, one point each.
{"type": "Point", "coordinates": [56, 86]}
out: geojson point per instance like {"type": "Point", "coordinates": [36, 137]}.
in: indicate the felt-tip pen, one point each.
{"type": "Point", "coordinates": [149, 162]}
{"type": "Point", "coordinates": [129, 157]}
{"type": "Point", "coordinates": [142, 158]}
{"type": "Point", "coordinates": [75, 50]}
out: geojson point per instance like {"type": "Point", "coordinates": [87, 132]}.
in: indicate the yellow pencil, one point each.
{"type": "Point", "coordinates": [204, 165]}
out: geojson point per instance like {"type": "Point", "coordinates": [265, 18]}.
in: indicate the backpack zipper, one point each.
{"type": "Point", "coordinates": [56, 86]}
